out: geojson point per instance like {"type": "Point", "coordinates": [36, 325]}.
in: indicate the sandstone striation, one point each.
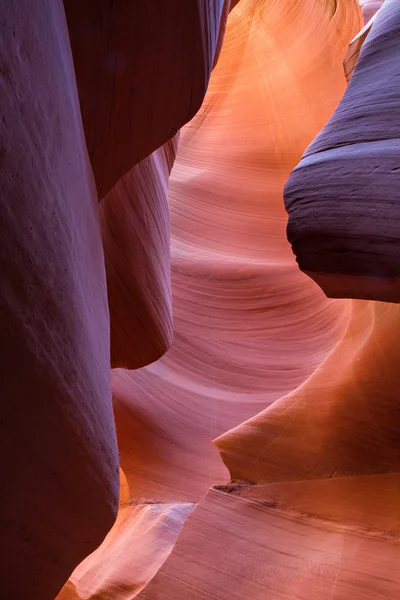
{"type": "Point", "coordinates": [341, 198]}
{"type": "Point", "coordinates": [256, 418]}
{"type": "Point", "coordinates": [248, 326]}
{"type": "Point", "coordinates": [273, 554]}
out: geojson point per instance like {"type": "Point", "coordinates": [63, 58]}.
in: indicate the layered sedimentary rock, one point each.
{"type": "Point", "coordinates": [342, 198]}
{"type": "Point", "coordinates": [248, 326]}
{"type": "Point", "coordinates": [142, 71]}
{"type": "Point", "coordinates": [240, 304]}
{"type": "Point", "coordinates": [353, 52]}
{"type": "Point", "coordinates": [136, 230]}
{"type": "Point", "coordinates": [59, 461]}
{"type": "Point", "coordinates": [132, 553]}
{"type": "Point", "coordinates": [343, 420]}
{"type": "Point", "coordinates": [249, 548]}
{"type": "Point", "coordinates": [298, 389]}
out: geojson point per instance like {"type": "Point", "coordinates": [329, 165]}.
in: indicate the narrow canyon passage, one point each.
{"type": "Point", "coordinates": [249, 328]}
{"type": "Point", "coordinates": [198, 248]}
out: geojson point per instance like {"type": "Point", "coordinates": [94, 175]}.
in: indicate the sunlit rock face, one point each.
{"type": "Point", "coordinates": [342, 197]}
{"type": "Point", "coordinates": [245, 544]}
{"type": "Point", "coordinates": [59, 461]}
{"type": "Point", "coordinates": [243, 314]}
{"type": "Point", "coordinates": [343, 420]}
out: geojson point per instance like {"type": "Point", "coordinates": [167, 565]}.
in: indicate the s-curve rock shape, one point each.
{"type": "Point", "coordinates": [249, 327]}
{"type": "Point", "coordinates": [142, 70]}
{"type": "Point", "coordinates": [59, 461]}
{"type": "Point", "coordinates": [342, 199]}
{"type": "Point", "coordinates": [342, 421]}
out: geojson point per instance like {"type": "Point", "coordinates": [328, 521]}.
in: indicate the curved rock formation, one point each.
{"type": "Point", "coordinates": [341, 199]}
{"type": "Point", "coordinates": [248, 326]}
{"type": "Point", "coordinates": [59, 462]}
{"type": "Point", "coordinates": [142, 71]}
{"type": "Point", "coordinates": [298, 391]}
{"type": "Point", "coordinates": [136, 231]}
{"type": "Point", "coordinates": [247, 548]}
{"type": "Point", "coordinates": [242, 310]}
{"type": "Point", "coordinates": [334, 420]}
{"type": "Point", "coordinates": [140, 541]}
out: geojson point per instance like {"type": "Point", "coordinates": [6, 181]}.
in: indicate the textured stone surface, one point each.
{"type": "Point", "coordinates": [59, 461]}
{"type": "Point", "coordinates": [353, 53]}
{"type": "Point", "coordinates": [342, 198]}
{"type": "Point", "coordinates": [343, 421]}
{"type": "Point", "coordinates": [132, 553]}
{"type": "Point", "coordinates": [369, 8]}
{"type": "Point", "coordinates": [233, 547]}
{"type": "Point", "coordinates": [248, 326]}
{"type": "Point", "coordinates": [136, 236]}
{"type": "Point", "coordinates": [300, 391]}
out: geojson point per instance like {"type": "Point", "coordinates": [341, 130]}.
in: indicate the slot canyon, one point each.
{"type": "Point", "coordinates": [199, 299]}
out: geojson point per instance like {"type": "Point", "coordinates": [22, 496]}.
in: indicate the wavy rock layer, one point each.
{"type": "Point", "coordinates": [312, 508]}
{"type": "Point", "coordinates": [341, 199]}
{"type": "Point", "coordinates": [242, 311]}
{"type": "Point", "coordinates": [342, 421]}
{"type": "Point", "coordinates": [247, 549]}
{"type": "Point", "coordinates": [59, 460]}
{"type": "Point", "coordinates": [142, 71]}
{"type": "Point", "coordinates": [248, 326]}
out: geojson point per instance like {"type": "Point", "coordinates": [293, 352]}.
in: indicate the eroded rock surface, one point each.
{"type": "Point", "coordinates": [342, 197]}
{"type": "Point", "coordinates": [59, 460]}
{"type": "Point", "coordinates": [274, 554]}
{"type": "Point", "coordinates": [248, 326]}
{"type": "Point", "coordinates": [297, 390]}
